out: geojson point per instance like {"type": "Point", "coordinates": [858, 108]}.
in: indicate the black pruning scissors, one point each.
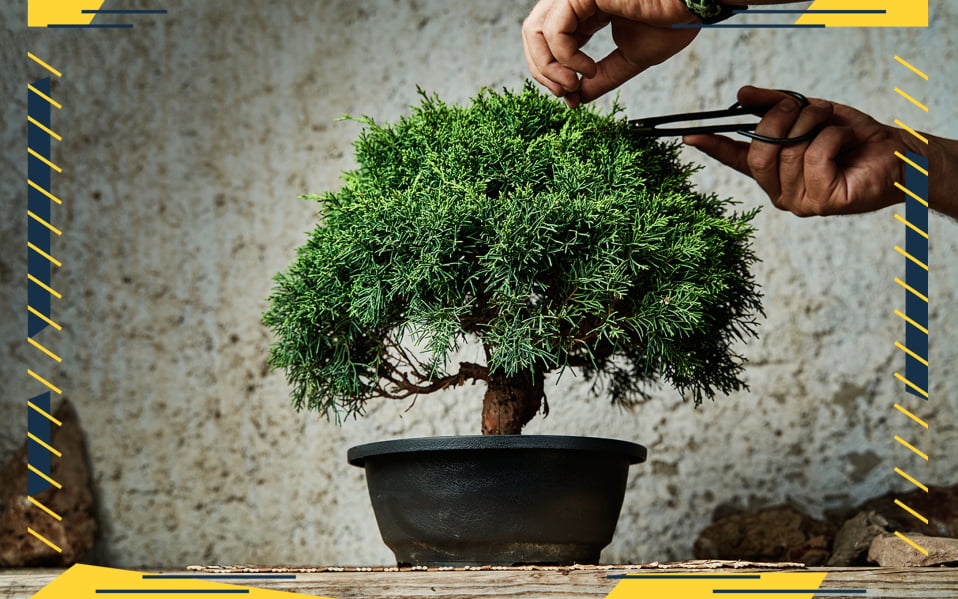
{"type": "Point", "coordinates": [649, 127]}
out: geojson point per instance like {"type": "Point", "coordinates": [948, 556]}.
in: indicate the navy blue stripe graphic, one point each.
{"type": "Point", "coordinates": [915, 276]}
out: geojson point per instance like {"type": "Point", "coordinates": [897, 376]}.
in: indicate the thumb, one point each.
{"type": "Point", "coordinates": [727, 151]}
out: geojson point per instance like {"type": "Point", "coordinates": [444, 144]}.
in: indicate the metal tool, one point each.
{"type": "Point", "coordinates": [648, 127]}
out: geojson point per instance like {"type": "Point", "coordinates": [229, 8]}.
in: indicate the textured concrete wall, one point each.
{"type": "Point", "coordinates": [186, 142]}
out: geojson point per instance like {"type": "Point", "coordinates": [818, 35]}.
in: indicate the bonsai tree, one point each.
{"type": "Point", "coordinates": [554, 238]}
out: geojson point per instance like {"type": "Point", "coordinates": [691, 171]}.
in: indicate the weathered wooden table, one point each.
{"type": "Point", "coordinates": [886, 583]}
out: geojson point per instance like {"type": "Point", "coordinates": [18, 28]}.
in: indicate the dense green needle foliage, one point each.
{"type": "Point", "coordinates": [553, 237]}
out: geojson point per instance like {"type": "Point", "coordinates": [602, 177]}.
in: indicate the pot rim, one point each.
{"type": "Point", "coordinates": [357, 455]}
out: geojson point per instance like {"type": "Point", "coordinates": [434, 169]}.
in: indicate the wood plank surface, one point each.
{"type": "Point", "coordinates": [884, 583]}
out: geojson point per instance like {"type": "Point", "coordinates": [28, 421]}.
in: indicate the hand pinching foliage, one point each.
{"type": "Point", "coordinates": [552, 237]}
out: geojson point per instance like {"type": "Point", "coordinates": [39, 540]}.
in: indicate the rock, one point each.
{"type": "Point", "coordinates": [889, 551]}
{"type": "Point", "coordinates": [75, 532]}
{"type": "Point", "coordinates": [855, 537]}
{"type": "Point", "coordinates": [779, 533]}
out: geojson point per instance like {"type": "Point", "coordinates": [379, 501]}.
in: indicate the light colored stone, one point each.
{"type": "Point", "coordinates": [889, 551]}
{"type": "Point", "coordinates": [855, 537]}
{"type": "Point", "coordinates": [186, 141]}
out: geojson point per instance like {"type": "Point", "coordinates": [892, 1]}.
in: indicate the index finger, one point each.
{"type": "Point", "coordinates": [560, 30]}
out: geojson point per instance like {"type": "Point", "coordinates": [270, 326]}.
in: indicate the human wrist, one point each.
{"type": "Point", "coordinates": [941, 157]}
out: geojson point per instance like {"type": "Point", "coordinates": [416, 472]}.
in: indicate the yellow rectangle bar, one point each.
{"type": "Point", "coordinates": [44, 254]}
{"type": "Point", "coordinates": [921, 454]}
{"type": "Point", "coordinates": [47, 130]}
{"type": "Point", "coordinates": [33, 57]}
{"type": "Point", "coordinates": [912, 100]}
{"type": "Point", "coordinates": [900, 346]}
{"type": "Point", "coordinates": [902, 505]}
{"type": "Point", "coordinates": [919, 295]}
{"type": "Point", "coordinates": [44, 539]}
{"type": "Point", "coordinates": [902, 220]}
{"type": "Point", "coordinates": [912, 385]}
{"type": "Point", "coordinates": [45, 382]}
{"type": "Point", "coordinates": [51, 290]}
{"type": "Point", "coordinates": [45, 445]}
{"type": "Point", "coordinates": [921, 200]}
{"type": "Point", "coordinates": [55, 515]}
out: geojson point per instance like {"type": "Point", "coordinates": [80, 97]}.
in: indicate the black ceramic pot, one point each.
{"type": "Point", "coordinates": [498, 499]}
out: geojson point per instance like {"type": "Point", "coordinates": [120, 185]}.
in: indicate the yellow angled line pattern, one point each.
{"type": "Point", "coordinates": [911, 162]}
{"type": "Point", "coordinates": [54, 514]}
{"type": "Point", "coordinates": [902, 505]}
{"type": "Point", "coordinates": [49, 289]}
{"type": "Point", "coordinates": [44, 539]}
{"type": "Point", "coordinates": [44, 191]}
{"type": "Point", "coordinates": [44, 413]}
{"type": "Point", "coordinates": [918, 294]}
{"type": "Point", "coordinates": [37, 345]}
{"type": "Point", "coordinates": [33, 57]}
{"type": "Point", "coordinates": [902, 220]}
{"type": "Point", "coordinates": [44, 476]}
{"type": "Point", "coordinates": [44, 223]}
{"type": "Point", "coordinates": [918, 135]}
{"type": "Point", "coordinates": [921, 200]}
{"type": "Point", "coordinates": [44, 96]}
{"type": "Point", "coordinates": [45, 445]}
{"type": "Point", "coordinates": [45, 382]}
{"type": "Point", "coordinates": [901, 346]}
{"type": "Point", "coordinates": [907, 477]}
{"type": "Point", "coordinates": [44, 160]}
{"type": "Point", "coordinates": [44, 128]}
{"type": "Point", "coordinates": [911, 322]}
{"type": "Point", "coordinates": [44, 318]}
{"type": "Point", "coordinates": [920, 453]}
{"type": "Point", "coordinates": [44, 254]}
{"type": "Point", "coordinates": [910, 257]}
{"type": "Point", "coordinates": [912, 385]}
{"type": "Point", "coordinates": [912, 543]}
{"type": "Point", "coordinates": [912, 100]}
{"type": "Point", "coordinates": [910, 415]}
{"type": "Point", "coordinates": [916, 71]}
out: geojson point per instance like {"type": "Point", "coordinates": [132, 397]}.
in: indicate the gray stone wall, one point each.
{"type": "Point", "coordinates": [186, 142]}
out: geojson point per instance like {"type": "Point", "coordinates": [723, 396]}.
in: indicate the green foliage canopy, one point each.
{"type": "Point", "coordinates": [552, 236]}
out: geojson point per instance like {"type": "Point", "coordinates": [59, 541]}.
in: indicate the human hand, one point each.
{"type": "Point", "coordinates": [848, 167]}
{"type": "Point", "coordinates": [555, 31]}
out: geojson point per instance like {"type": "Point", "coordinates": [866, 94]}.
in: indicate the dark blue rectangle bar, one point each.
{"type": "Point", "coordinates": [40, 110]}
{"type": "Point", "coordinates": [789, 591]}
{"type": "Point", "coordinates": [814, 11]}
{"type": "Point", "coordinates": [220, 576]}
{"type": "Point", "coordinates": [37, 456]}
{"type": "Point", "coordinates": [173, 591]}
{"type": "Point", "coordinates": [916, 277]}
{"type": "Point", "coordinates": [749, 26]}
{"type": "Point", "coordinates": [119, 11]}
{"type": "Point", "coordinates": [107, 26]}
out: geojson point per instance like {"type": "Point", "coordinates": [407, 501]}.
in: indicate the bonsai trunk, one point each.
{"type": "Point", "coordinates": [511, 402]}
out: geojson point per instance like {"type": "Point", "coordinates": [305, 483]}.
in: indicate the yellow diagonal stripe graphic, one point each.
{"type": "Point", "coordinates": [702, 586]}
{"type": "Point", "coordinates": [44, 128]}
{"type": "Point", "coordinates": [912, 100]}
{"type": "Point", "coordinates": [37, 345]}
{"type": "Point", "coordinates": [912, 543]}
{"type": "Point", "coordinates": [44, 254]}
{"type": "Point", "coordinates": [43, 191]}
{"type": "Point", "coordinates": [920, 453]}
{"type": "Point", "coordinates": [910, 479]}
{"type": "Point", "coordinates": [52, 387]}
{"type": "Point", "coordinates": [44, 476]}
{"type": "Point", "coordinates": [902, 220]}
{"type": "Point", "coordinates": [911, 384]}
{"type": "Point", "coordinates": [44, 160]}
{"type": "Point", "coordinates": [45, 445]}
{"type": "Point", "coordinates": [914, 195]}
{"type": "Point", "coordinates": [44, 318]}
{"type": "Point", "coordinates": [33, 57]}
{"type": "Point", "coordinates": [49, 289]}
{"type": "Point", "coordinates": [912, 163]}
{"type": "Point", "coordinates": [910, 257]}
{"type": "Point", "coordinates": [44, 96]}
{"type": "Point", "coordinates": [898, 13]}
{"type": "Point", "coordinates": [910, 321]}
{"type": "Point", "coordinates": [44, 223]}
{"type": "Point", "coordinates": [902, 505]}
{"type": "Point", "coordinates": [917, 135]}
{"type": "Point", "coordinates": [45, 540]}
{"type": "Point", "coordinates": [44, 413]}
{"type": "Point", "coordinates": [82, 580]}
{"type": "Point", "coordinates": [912, 416]}
{"type": "Point", "coordinates": [911, 289]}
{"type": "Point", "coordinates": [35, 502]}
{"type": "Point", "coordinates": [914, 70]}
